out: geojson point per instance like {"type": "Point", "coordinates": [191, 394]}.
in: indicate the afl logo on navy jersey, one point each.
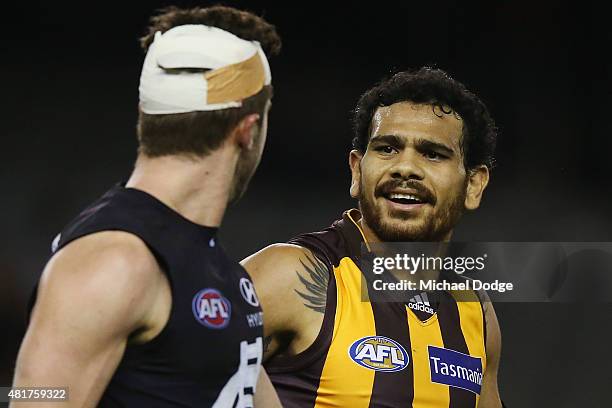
{"type": "Point", "coordinates": [379, 353]}
{"type": "Point", "coordinates": [248, 292]}
{"type": "Point", "coordinates": [211, 308]}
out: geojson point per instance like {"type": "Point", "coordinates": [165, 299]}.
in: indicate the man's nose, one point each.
{"type": "Point", "coordinates": [408, 166]}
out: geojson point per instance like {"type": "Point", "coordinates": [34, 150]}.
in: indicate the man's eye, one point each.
{"type": "Point", "coordinates": [433, 155]}
{"type": "Point", "coordinates": [385, 149]}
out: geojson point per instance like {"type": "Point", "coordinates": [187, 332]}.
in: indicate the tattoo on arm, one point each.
{"type": "Point", "coordinates": [314, 278]}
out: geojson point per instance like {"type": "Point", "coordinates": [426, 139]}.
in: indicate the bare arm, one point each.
{"type": "Point", "coordinates": [290, 282]}
{"type": "Point", "coordinates": [265, 396]}
{"type": "Point", "coordinates": [490, 391]}
{"type": "Point", "coordinates": [92, 295]}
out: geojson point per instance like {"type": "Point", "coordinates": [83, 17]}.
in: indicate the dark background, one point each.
{"type": "Point", "coordinates": [69, 91]}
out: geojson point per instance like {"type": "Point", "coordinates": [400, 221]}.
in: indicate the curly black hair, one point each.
{"type": "Point", "coordinates": [435, 87]}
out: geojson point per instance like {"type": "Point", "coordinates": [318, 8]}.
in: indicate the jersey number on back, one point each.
{"type": "Point", "coordinates": [239, 390]}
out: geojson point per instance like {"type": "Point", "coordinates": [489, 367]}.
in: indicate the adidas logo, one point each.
{"type": "Point", "coordinates": [420, 302]}
{"type": "Point", "coordinates": [422, 298]}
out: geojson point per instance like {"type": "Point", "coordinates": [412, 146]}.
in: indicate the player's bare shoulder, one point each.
{"type": "Point", "coordinates": [287, 267]}
{"type": "Point", "coordinates": [114, 267]}
{"type": "Point", "coordinates": [107, 255]}
{"type": "Point", "coordinates": [107, 280]}
{"type": "Point", "coordinates": [270, 265]}
{"type": "Point", "coordinates": [290, 281]}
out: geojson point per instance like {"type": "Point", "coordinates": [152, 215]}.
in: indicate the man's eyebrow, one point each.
{"type": "Point", "coordinates": [420, 143]}
{"type": "Point", "coordinates": [425, 144]}
{"type": "Point", "coordinates": [392, 140]}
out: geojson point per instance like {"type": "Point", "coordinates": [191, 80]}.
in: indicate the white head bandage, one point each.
{"type": "Point", "coordinates": [199, 68]}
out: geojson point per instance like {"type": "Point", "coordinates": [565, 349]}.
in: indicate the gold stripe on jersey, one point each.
{"type": "Point", "coordinates": [342, 384]}
{"type": "Point", "coordinates": [471, 319]}
{"type": "Point", "coordinates": [427, 394]}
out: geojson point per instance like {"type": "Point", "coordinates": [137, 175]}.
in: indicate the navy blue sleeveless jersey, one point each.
{"type": "Point", "coordinates": [210, 351]}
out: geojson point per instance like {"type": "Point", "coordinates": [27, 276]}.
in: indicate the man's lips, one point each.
{"type": "Point", "coordinates": [405, 196]}
{"type": "Point", "coordinates": [406, 199]}
{"type": "Point", "coordinates": [401, 205]}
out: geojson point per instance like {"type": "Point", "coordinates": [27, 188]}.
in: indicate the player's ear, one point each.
{"type": "Point", "coordinates": [245, 132]}
{"type": "Point", "coordinates": [478, 179]}
{"type": "Point", "coordinates": [354, 162]}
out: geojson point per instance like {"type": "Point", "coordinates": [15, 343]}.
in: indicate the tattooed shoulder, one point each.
{"type": "Point", "coordinates": [314, 278]}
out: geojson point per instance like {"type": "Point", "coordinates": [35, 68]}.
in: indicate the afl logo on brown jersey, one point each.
{"type": "Point", "coordinates": [379, 353]}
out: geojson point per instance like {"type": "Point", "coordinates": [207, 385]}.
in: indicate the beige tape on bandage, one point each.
{"type": "Point", "coordinates": [194, 68]}
{"type": "Point", "coordinates": [235, 82]}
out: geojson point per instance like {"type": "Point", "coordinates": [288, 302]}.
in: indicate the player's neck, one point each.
{"type": "Point", "coordinates": [198, 189]}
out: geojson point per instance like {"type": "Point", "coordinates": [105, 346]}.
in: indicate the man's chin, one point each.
{"type": "Point", "coordinates": [401, 230]}
{"type": "Point", "coordinates": [407, 235]}
{"type": "Point", "coordinates": [395, 216]}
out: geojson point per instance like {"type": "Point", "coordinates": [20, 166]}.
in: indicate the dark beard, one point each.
{"type": "Point", "coordinates": [435, 229]}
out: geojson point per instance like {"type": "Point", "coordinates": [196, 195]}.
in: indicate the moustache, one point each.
{"type": "Point", "coordinates": [415, 187]}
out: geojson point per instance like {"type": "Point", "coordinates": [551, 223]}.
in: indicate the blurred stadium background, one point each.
{"type": "Point", "coordinates": [70, 77]}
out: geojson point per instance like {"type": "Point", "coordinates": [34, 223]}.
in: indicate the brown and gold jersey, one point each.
{"type": "Point", "coordinates": [381, 354]}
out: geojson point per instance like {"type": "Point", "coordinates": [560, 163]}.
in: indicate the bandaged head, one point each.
{"type": "Point", "coordinates": [200, 68]}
